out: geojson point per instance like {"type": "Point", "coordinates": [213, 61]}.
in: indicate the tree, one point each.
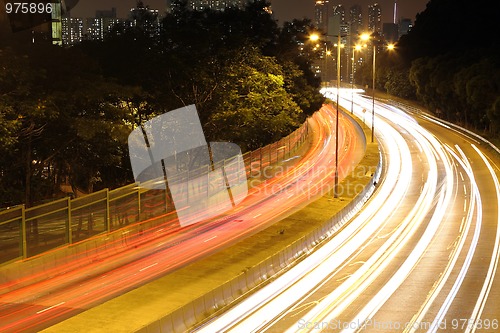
{"type": "Point", "coordinates": [254, 107]}
{"type": "Point", "coordinates": [398, 83]}
{"type": "Point", "coordinates": [24, 115]}
{"type": "Point", "coordinates": [65, 113]}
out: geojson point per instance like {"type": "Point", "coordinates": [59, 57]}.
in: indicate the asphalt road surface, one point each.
{"type": "Point", "coordinates": [422, 255]}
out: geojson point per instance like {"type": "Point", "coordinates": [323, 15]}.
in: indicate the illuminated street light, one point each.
{"type": "Point", "coordinates": [315, 38]}
{"type": "Point", "coordinates": [336, 185]}
{"type": "Point", "coordinates": [366, 37]}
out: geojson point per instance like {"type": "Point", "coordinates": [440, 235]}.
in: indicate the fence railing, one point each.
{"type": "Point", "coordinates": [26, 232]}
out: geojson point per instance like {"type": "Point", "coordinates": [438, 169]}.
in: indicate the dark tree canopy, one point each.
{"type": "Point", "coordinates": [65, 113]}
{"type": "Point", "coordinates": [450, 59]}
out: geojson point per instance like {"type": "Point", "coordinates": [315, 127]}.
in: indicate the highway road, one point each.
{"type": "Point", "coordinates": [422, 256]}
{"type": "Point", "coordinates": [45, 303]}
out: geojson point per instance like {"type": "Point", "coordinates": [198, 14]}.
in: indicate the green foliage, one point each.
{"type": "Point", "coordinates": [461, 88]}
{"type": "Point", "coordinates": [452, 69]}
{"type": "Point", "coordinates": [61, 122]}
{"type": "Point", "coordinates": [398, 83]}
{"type": "Point", "coordinates": [254, 108]}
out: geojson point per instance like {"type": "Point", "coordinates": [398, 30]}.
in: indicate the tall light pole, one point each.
{"type": "Point", "coordinates": [335, 188]}
{"type": "Point", "coordinates": [356, 48]}
{"type": "Point", "coordinates": [315, 38]}
{"type": "Point", "coordinates": [366, 37]}
{"type": "Point", "coordinates": [373, 89]}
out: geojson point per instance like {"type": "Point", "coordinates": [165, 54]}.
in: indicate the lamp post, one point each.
{"type": "Point", "coordinates": [336, 185]}
{"type": "Point", "coordinates": [374, 74]}
{"type": "Point", "coordinates": [314, 38]}
{"type": "Point", "coordinates": [366, 37]}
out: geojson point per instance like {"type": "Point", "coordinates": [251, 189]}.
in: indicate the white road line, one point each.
{"type": "Point", "coordinates": [50, 307]}
{"type": "Point", "coordinates": [209, 239]}
{"type": "Point", "coordinates": [147, 267]}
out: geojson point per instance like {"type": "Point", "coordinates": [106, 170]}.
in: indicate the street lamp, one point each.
{"type": "Point", "coordinates": [314, 37]}
{"type": "Point", "coordinates": [339, 45]}
{"type": "Point", "coordinates": [366, 37]}
{"type": "Point", "coordinates": [336, 185]}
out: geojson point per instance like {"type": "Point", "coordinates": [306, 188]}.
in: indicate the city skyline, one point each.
{"type": "Point", "coordinates": [283, 10]}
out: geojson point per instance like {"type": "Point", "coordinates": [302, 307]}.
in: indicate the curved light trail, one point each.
{"type": "Point", "coordinates": [408, 260]}
{"type": "Point", "coordinates": [44, 303]}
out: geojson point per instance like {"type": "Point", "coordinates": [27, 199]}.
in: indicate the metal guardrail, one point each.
{"type": "Point", "coordinates": [27, 232]}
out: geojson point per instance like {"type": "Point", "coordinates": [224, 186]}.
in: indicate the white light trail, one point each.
{"type": "Point", "coordinates": [493, 266]}
{"type": "Point", "coordinates": [438, 287]}
{"type": "Point", "coordinates": [262, 309]}
{"type": "Point", "coordinates": [291, 286]}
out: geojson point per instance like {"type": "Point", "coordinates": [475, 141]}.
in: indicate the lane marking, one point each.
{"type": "Point", "coordinates": [50, 308]}
{"type": "Point", "coordinates": [148, 267]}
{"type": "Point", "coordinates": [209, 239]}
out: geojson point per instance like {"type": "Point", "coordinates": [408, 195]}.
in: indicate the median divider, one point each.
{"type": "Point", "coordinates": [198, 292]}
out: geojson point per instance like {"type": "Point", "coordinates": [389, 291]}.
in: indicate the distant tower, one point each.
{"type": "Point", "coordinates": [337, 22]}
{"type": "Point", "coordinates": [390, 31]}
{"type": "Point", "coordinates": [405, 25]}
{"type": "Point", "coordinates": [321, 14]}
{"type": "Point", "coordinates": [339, 11]}
{"type": "Point", "coordinates": [72, 30]}
{"type": "Point", "coordinates": [102, 23]}
{"type": "Point", "coordinates": [395, 20]}
{"type": "Point", "coordinates": [356, 19]}
{"type": "Point", "coordinates": [56, 21]}
{"type": "Point", "coordinates": [375, 18]}
{"type": "Point", "coordinates": [219, 5]}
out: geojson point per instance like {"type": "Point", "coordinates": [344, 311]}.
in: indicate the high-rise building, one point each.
{"type": "Point", "coordinates": [339, 11]}
{"type": "Point", "coordinates": [72, 30]}
{"type": "Point", "coordinates": [356, 19]}
{"type": "Point", "coordinates": [211, 4]}
{"type": "Point", "coordinates": [146, 18]}
{"type": "Point", "coordinates": [104, 21]}
{"type": "Point", "coordinates": [56, 16]}
{"type": "Point", "coordinates": [375, 18]}
{"type": "Point", "coordinates": [321, 14]}
{"type": "Point", "coordinates": [395, 16]}
{"type": "Point", "coordinates": [405, 26]}
{"type": "Point", "coordinates": [336, 22]}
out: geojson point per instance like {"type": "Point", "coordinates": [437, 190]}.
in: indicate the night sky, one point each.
{"type": "Point", "coordinates": [284, 10]}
